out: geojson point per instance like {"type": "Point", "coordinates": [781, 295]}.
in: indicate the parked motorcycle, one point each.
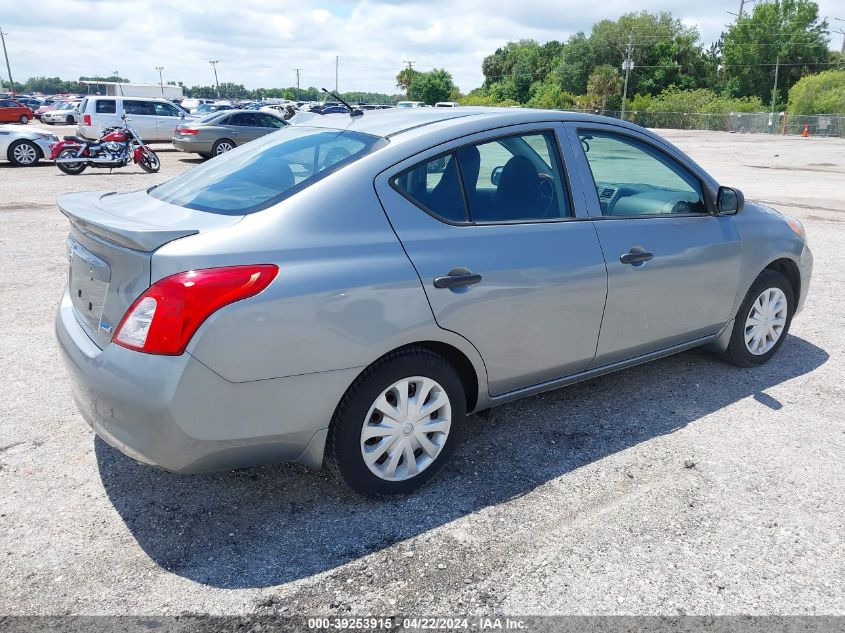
{"type": "Point", "coordinates": [115, 148]}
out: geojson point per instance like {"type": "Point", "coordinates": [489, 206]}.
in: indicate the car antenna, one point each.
{"type": "Point", "coordinates": [352, 111]}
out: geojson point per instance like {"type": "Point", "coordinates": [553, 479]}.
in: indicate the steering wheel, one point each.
{"type": "Point", "coordinates": [547, 191]}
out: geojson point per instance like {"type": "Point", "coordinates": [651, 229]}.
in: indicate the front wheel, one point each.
{"type": "Point", "coordinates": [763, 320]}
{"type": "Point", "coordinates": [71, 168]}
{"type": "Point", "coordinates": [398, 424]}
{"type": "Point", "coordinates": [149, 161]}
{"type": "Point", "coordinates": [71, 120]}
{"type": "Point", "coordinates": [24, 119]}
{"type": "Point", "coordinates": [23, 154]}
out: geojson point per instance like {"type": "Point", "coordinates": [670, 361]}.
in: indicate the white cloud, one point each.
{"type": "Point", "coordinates": [259, 43]}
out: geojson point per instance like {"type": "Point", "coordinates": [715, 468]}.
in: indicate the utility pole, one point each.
{"type": "Point", "coordinates": [775, 92]}
{"type": "Point", "coordinates": [627, 66]}
{"type": "Point", "coordinates": [336, 70]}
{"type": "Point", "coordinates": [214, 63]}
{"type": "Point", "coordinates": [6, 55]}
{"type": "Point", "coordinates": [843, 35]}
{"type": "Point", "coordinates": [160, 79]}
{"type": "Point", "coordinates": [297, 81]}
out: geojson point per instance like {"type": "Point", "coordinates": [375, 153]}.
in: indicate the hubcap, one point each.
{"type": "Point", "coordinates": [406, 428]}
{"type": "Point", "coordinates": [765, 322]}
{"type": "Point", "coordinates": [25, 154]}
{"type": "Point", "coordinates": [223, 147]}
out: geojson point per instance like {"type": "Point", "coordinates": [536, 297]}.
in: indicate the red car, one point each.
{"type": "Point", "coordinates": [14, 112]}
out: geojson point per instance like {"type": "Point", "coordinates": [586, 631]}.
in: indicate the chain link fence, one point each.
{"type": "Point", "coordinates": [742, 122]}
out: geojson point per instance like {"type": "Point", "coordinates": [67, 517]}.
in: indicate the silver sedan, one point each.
{"type": "Point", "coordinates": [24, 147]}
{"type": "Point", "coordinates": [347, 289]}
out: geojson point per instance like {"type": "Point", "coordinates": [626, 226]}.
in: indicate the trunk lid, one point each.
{"type": "Point", "coordinates": [110, 247]}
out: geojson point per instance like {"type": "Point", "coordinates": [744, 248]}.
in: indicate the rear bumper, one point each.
{"type": "Point", "coordinates": [176, 413]}
{"type": "Point", "coordinates": [195, 147]}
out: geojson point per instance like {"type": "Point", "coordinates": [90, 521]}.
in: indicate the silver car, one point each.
{"type": "Point", "coordinates": [25, 147]}
{"type": "Point", "coordinates": [348, 289]}
{"type": "Point", "coordinates": [223, 131]}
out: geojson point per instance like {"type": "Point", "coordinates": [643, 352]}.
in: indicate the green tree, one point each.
{"type": "Point", "coordinates": [604, 82]}
{"type": "Point", "coordinates": [786, 33]}
{"type": "Point", "coordinates": [404, 78]}
{"type": "Point", "coordinates": [431, 87]}
{"type": "Point", "coordinates": [549, 96]}
{"type": "Point", "coordinates": [823, 93]}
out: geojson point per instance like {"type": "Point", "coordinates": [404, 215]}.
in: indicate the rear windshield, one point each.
{"type": "Point", "coordinates": [266, 171]}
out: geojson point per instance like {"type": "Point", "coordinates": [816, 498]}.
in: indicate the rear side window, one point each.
{"type": "Point", "coordinates": [516, 178]}
{"type": "Point", "coordinates": [265, 172]}
{"type": "Point", "coordinates": [106, 106]}
{"type": "Point", "coordinates": [145, 108]}
{"type": "Point", "coordinates": [435, 186]}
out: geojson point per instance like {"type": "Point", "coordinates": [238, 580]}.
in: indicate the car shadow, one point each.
{"type": "Point", "coordinates": [266, 526]}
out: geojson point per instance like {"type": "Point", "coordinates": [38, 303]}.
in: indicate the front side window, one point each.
{"type": "Point", "coordinates": [516, 178]}
{"type": "Point", "coordinates": [166, 109]}
{"type": "Point", "coordinates": [266, 171]}
{"type": "Point", "coordinates": [266, 120]}
{"type": "Point", "coordinates": [105, 106]}
{"type": "Point", "coordinates": [632, 178]}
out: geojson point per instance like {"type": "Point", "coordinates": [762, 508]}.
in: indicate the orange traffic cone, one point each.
{"type": "Point", "coordinates": [806, 131]}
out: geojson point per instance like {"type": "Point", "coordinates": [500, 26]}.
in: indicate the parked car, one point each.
{"type": "Point", "coordinates": [24, 147]}
{"type": "Point", "coordinates": [192, 104]}
{"type": "Point", "coordinates": [411, 104]}
{"type": "Point", "coordinates": [49, 105]}
{"type": "Point", "coordinates": [155, 119]}
{"type": "Point", "coordinates": [446, 104]}
{"type": "Point", "coordinates": [14, 112]}
{"type": "Point", "coordinates": [334, 290]}
{"type": "Point", "coordinates": [65, 113]}
{"type": "Point", "coordinates": [209, 108]}
{"type": "Point", "coordinates": [222, 132]}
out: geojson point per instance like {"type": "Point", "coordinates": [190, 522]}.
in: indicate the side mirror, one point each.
{"type": "Point", "coordinates": [496, 175]}
{"type": "Point", "coordinates": [729, 201]}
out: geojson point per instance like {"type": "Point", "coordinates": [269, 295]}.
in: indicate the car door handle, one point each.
{"type": "Point", "coordinates": [456, 278]}
{"type": "Point", "coordinates": [636, 256]}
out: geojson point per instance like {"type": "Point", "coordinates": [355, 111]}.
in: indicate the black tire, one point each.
{"type": "Point", "coordinates": [738, 352]}
{"type": "Point", "coordinates": [24, 119]}
{"type": "Point", "coordinates": [71, 169]}
{"type": "Point", "coordinates": [24, 153]}
{"type": "Point", "coordinates": [71, 120]}
{"type": "Point", "coordinates": [343, 445]}
{"type": "Point", "coordinates": [150, 163]}
{"type": "Point", "coordinates": [219, 146]}
{"type": "Point", "coordinates": [205, 156]}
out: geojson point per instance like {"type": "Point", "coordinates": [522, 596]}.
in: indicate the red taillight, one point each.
{"type": "Point", "coordinates": [186, 131]}
{"type": "Point", "coordinates": [166, 316]}
{"type": "Point", "coordinates": [86, 119]}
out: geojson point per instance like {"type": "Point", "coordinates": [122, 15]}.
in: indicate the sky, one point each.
{"type": "Point", "coordinates": [260, 42]}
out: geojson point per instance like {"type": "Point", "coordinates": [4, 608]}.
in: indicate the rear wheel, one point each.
{"type": "Point", "coordinates": [398, 423]}
{"type": "Point", "coordinates": [71, 168]}
{"type": "Point", "coordinates": [24, 119]}
{"type": "Point", "coordinates": [763, 320]}
{"type": "Point", "coordinates": [222, 146]}
{"type": "Point", "coordinates": [23, 153]}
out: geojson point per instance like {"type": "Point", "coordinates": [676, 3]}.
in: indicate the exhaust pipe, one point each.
{"type": "Point", "coordinates": [85, 159]}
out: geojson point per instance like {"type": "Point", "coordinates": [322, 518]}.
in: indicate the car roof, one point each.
{"type": "Point", "coordinates": [394, 121]}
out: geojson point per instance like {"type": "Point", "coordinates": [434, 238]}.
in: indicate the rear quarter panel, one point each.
{"type": "Point", "coordinates": [345, 294]}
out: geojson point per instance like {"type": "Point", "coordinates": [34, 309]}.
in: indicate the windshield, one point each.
{"type": "Point", "coordinates": [266, 171]}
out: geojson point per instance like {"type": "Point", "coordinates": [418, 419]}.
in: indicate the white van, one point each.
{"type": "Point", "coordinates": [154, 119]}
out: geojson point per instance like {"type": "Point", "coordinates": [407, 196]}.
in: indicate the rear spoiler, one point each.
{"type": "Point", "coordinates": [85, 211]}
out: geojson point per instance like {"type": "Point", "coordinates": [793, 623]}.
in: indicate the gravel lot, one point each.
{"type": "Point", "coordinates": [683, 486]}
